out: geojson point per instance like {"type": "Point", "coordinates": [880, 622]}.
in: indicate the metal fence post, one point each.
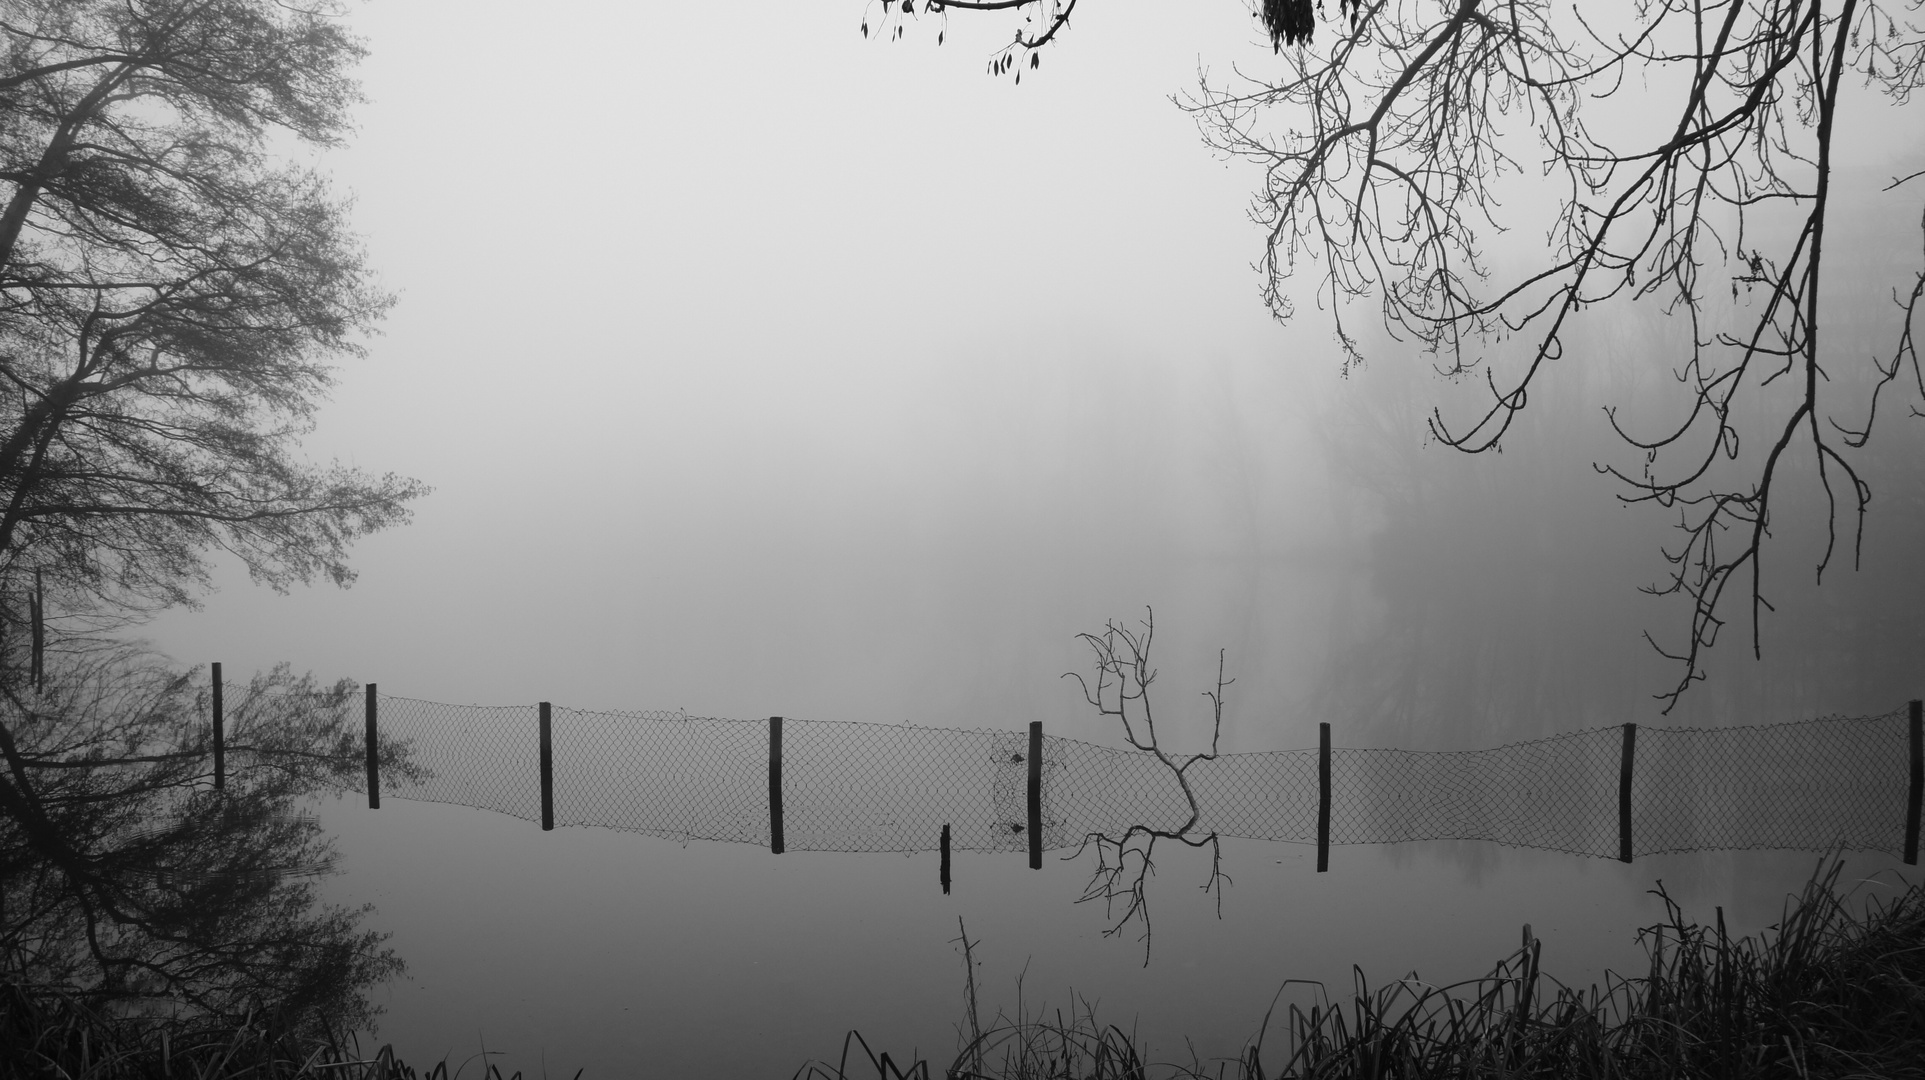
{"type": "Point", "coordinates": [547, 772]}
{"type": "Point", "coordinates": [374, 756]}
{"type": "Point", "coordinates": [220, 736]}
{"type": "Point", "coordinates": [1323, 798]}
{"type": "Point", "coordinates": [945, 858]}
{"type": "Point", "coordinates": [1624, 791]}
{"type": "Point", "coordinates": [776, 844]}
{"type": "Point", "coordinates": [1918, 784]}
{"type": "Point", "coordinates": [1035, 794]}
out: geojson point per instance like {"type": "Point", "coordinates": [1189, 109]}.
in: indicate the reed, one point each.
{"type": "Point", "coordinates": [49, 1032]}
{"type": "Point", "coordinates": [1834, 990]}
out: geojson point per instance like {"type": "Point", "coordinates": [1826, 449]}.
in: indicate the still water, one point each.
{"type": "Point", "coordinates": [634, 956]}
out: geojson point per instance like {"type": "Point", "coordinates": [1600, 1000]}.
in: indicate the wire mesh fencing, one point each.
{"type": "Point", "coordinates": [1839, 782]}
{"type": "Point", "coordinates": [1558, 793]}
{"type": "Point", "coordinates": [1802, 786]}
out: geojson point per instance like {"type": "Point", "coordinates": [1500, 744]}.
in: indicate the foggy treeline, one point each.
{"type": "Point", "coordinates": [1495, 596]}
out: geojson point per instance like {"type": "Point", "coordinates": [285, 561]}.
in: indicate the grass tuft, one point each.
{"type": "Point", "coordinates": [1826, 994]}
{"type": "Point", "coordinates": [53, 1033]}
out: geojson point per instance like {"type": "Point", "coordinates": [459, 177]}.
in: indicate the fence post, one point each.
{"type": "Point", "coordinates": [1323, 798]}
{"type": "Point", "coordinates": [1918, 784]}
{"type": "Point", "coordinates": [220, 736]}
{"type": "Point", "coordinates": [776, 844]}
{"type": "Point", "coordinates": [945, 858]}
{"type": "Point", "coordinates": [1624, 791]}
{"type": "Point", "coordinates": [547, 772]}
{"type": "Point", "coordinates": [374, 756]}
{"type": "Point", "coordinates": [1035, 794]}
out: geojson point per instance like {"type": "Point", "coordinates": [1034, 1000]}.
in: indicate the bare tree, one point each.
{"type": "Point", "coordinates": [1388, 151]}
{"type": "Point", "coordinates": [170, 292]}
{"type": "Point", "coordinates": [173, 286]}
{"type": "Point", "coordinates": [1125, 861]}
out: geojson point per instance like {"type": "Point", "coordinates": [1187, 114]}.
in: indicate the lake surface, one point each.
{"type": "Point", "coordinates": [634, 956]}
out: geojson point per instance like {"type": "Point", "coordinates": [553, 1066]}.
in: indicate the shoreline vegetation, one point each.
{"type": "Point", "coordinates": [49, 1032]}
{"type": "Point", "coordinates": [1836, 989]}
{"type": "Point", "coordinates": [1832, 991]}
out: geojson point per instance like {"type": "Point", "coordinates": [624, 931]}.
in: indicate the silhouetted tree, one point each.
{"type": "Point", "coordinates": [1397, 150]}
{"type": "Point", "coordinates": [172, 288]}
{"type": "Point", "coordinates": [170, 292]}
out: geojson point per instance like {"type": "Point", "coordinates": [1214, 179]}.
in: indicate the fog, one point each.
{"type": "Point", "coordinates": [760, 367]}
{"type": "Point", "coordinates": [763, 368]}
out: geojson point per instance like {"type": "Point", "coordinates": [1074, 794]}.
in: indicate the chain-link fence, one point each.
{"type": "Point", "coordinates": [1836, 782]}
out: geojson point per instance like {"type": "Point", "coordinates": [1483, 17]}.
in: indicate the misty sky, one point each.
{"type": "Point", "coordinates": [763, 368]}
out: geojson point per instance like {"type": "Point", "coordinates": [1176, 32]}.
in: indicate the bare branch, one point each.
{"type": "Point", "coordinates": [1125, 862]}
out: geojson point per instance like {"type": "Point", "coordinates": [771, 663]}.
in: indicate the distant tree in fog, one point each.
{"type": "Point", "coordinates": [1676, 153]}
{"type": "Point", "coordinates": [1492, 590]}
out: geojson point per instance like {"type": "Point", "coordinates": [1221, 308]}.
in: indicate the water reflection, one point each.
{"type": "Point", "coordinates": [633, 954]}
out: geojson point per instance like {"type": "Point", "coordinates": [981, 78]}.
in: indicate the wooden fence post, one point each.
{"type": "Point", "coordinates": [220, 735]}
{"type": "Point", "coordinates": [1323, 798]}
{"type": "Point", "coordinates": [776, 843]}
{"type": "Point", "coordinates": [1918, 784]}
{"type": "Point", "coordinates": [374, 756]}
{"type": "Point", "coordinates": [547, 771]}
{"type": "Point", "coordinates": [945, 858]}
{"type": "Point", "coordinates": [1035, 794]}
{"type": "Point", "coordinates": [1624, 791]}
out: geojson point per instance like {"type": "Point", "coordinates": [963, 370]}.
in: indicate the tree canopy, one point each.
{"type": "Point", "coordinates": [171, 291]}
{"type": "Point", "coordinates": [1679, 153]}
